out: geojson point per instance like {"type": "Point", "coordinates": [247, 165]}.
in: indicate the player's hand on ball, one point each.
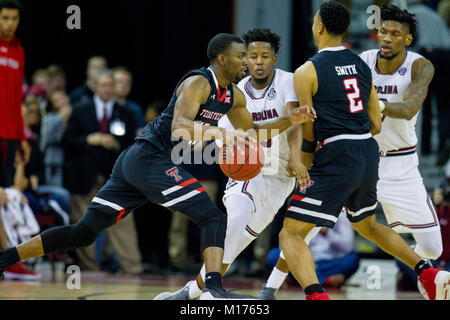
{"type": "Point", "coordinates": [302, 114]}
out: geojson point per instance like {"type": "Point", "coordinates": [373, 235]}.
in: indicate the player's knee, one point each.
{"type": "Point", "coordinates": [81, 235]}
{"type": "Point", "coordinates": [213, 216]}
{"type": "Point", "coordinates": [430, 250]}
{"type": "Point", "coordinates": [67, 237]}
{"type": "Point", "coordinates": [294, 228]}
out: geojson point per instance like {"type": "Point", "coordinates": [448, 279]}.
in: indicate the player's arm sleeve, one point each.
{"type": "Point", "coordinates": [289, 91]}
{"type": "Point", "coordinates": [364, 56]}
{"type": "Point", "coordinates": [422, 73]}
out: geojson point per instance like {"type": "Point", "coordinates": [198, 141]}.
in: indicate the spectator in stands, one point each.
{"type": "Point", "coordinates": [97, 132]}
{"type": "Point", "coordinates": [124, 80]}
{"type": "Point", "coordinates": [444, 11]}
{"type": "Point", "coordinates": [84, 93]}
{"type": "Point", "coordinates": [48, 199]}
{"type": "Point", "coordinates": [55, 122]}
{"type": "Point", "coordinates": [57, 80]}
{"type": "Point", "coordinates": [17, 224]}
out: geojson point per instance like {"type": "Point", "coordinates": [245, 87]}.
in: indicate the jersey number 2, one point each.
{"type": "Point", "coordinates": [355, 103]}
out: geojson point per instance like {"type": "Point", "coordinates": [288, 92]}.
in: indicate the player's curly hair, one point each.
{"type": "Point", "coordinates": [391, 12]}
{"type": "Point", "coordinates": [335, 16]}
{"type": "Point", "coordinates": [263, 35]}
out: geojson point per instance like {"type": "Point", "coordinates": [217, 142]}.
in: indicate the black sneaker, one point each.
{"type": "Point", "coordinates": [222, 294]}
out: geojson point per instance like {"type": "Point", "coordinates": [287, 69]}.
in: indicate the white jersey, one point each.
{"type": "Point", "coordinates": [265, 106]}
{"type": "Point", "coordinates": [395, 133]}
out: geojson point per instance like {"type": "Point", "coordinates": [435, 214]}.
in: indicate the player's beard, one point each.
{"type": "Point", "coordinates": [388, 57]}
{"type": "Point", "coordinates": [239, 77]}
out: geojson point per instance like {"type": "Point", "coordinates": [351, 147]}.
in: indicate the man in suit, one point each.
{"type": "Point", "coordinates": [97, 132]}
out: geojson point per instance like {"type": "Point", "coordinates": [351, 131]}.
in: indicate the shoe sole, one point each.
{"type": "Point", "coordinates": [15, 276]}
{"type": "Point", "coordinates": [442, 282]}
{"type": "Point", "coordinates": [162, 296]}
{"type": "Point", "coordinates": [209, 296]}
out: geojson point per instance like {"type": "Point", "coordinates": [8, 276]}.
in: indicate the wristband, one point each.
{"type": "Point", "coordinates": [309, 146]}
{"type": "Point", "coordinates": [382, 105]}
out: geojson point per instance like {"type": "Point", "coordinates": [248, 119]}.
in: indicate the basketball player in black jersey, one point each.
{"type": "Point", "coordinates": [344, 171]}
{"type": "Point", "coordinates": [146, 170]}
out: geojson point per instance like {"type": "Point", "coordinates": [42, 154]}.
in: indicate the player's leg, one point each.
{"type": "Point", "coordinates": [406, 204]}
{"type": "Point", "coordinates": [164, 183]}
{"type": "Point", "coordinates": [361, 214]}
{"type": "Point", "coordinates": [387, 240]}
{"type": "Point", "coordinates": [298, 256]}
{"type": "Point", "coordinates": [280, 271]}
{"type": "Point", "coordinates": [100, 215]}
{"type": "Point", "coordinates": [428, 244]}
{"type": "Point", "coordinates": [237, 238]}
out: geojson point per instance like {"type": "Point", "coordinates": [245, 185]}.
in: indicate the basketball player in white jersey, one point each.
{"type": "Point", "coordinates": [401, 78]}
{"type": "Point", "coordinates": [252, 205]}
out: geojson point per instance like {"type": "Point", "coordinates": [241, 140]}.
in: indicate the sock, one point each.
{"type": "Point", "coordinates": [213, 280]}
{"type": "Point", "coordinates": [313, 288]}
{"type": "Point", "coordinates": [421, 265]}
{"type": "Point", "coordinates": [9, 257]}
{"type": "Point", "coordinates": [276, 278]}
{"type": "Point", "coordinates": [194, 290]}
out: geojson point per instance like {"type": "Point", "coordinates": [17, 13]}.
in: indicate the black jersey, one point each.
{"type": "Point", "coordinates": [341, 100]}
{"type": "Point", "coordinates": [220, 100]}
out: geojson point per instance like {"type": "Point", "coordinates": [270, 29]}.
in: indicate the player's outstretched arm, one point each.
{"type": "Point", "coordinates": [373, 110]}
{"type": "Point", "coordinates": [241, 118]}
{"type": "Point", "coordinates": [421, 75]}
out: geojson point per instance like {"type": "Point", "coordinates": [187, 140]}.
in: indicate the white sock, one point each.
{"type": "Point", "coordinates": [276, 278]}
{"type": "Point", "coordinates": [194, 291]}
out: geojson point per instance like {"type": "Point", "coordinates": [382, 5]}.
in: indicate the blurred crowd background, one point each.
{"type": "Point", "coordinates": [131, 55]}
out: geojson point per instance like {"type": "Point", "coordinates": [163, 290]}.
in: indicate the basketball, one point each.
{"type": "Point", "coordinates": [241, 166]}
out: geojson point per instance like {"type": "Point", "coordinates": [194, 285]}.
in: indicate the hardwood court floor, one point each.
{"type": "Point", "coordinates": [102, 286]}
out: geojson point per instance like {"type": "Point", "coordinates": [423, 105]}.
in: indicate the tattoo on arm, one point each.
{"type": "Point", "coordinates": [422, 74]}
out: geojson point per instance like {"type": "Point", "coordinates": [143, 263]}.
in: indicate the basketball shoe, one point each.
{"type": "Point", "coordinates": [267, 293]}
{"type": "Point", "coordinates": [434, 284]}
{"type": "Point", "coordinates": [19, 272]}
{"type": "Point", "coordinates": [222, 294]}
{"type": "Point", "coordinates": [182, 294]}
